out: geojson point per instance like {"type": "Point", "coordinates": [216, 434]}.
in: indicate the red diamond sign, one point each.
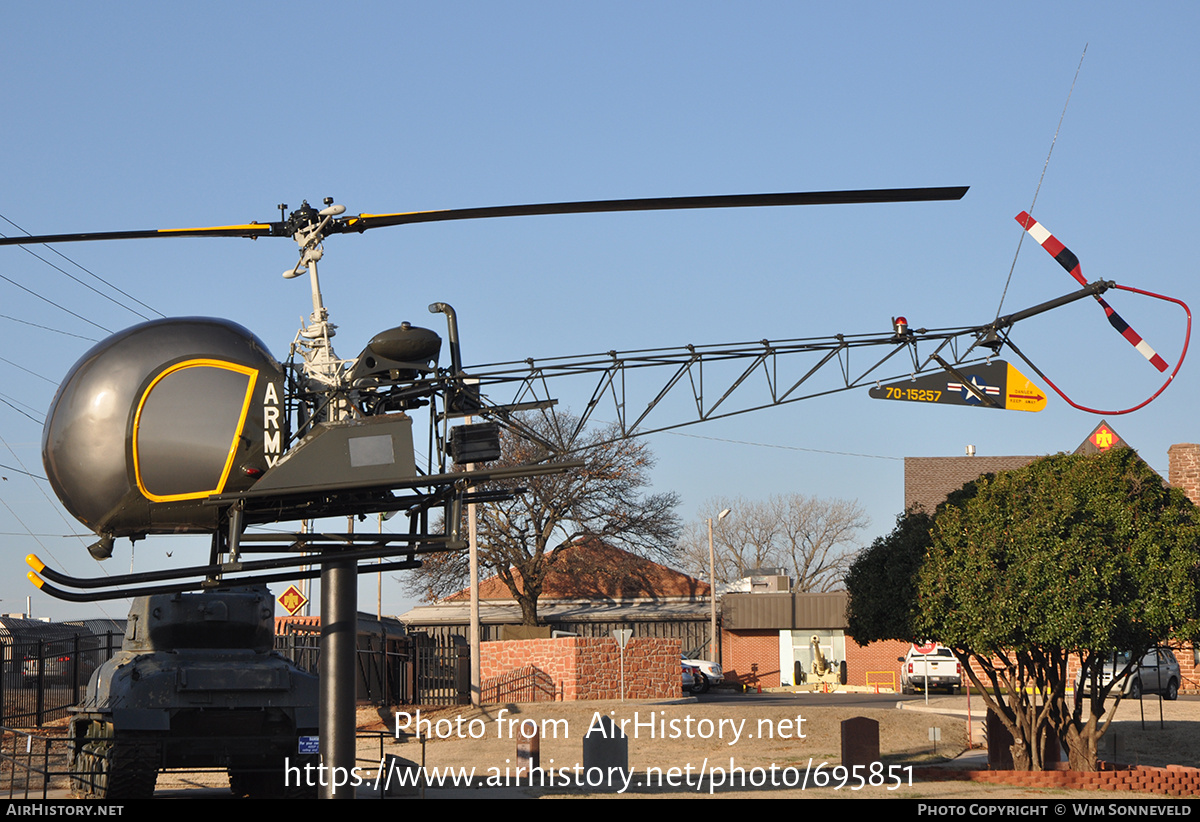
{"type": "Point", "coordinates": [292, 600]}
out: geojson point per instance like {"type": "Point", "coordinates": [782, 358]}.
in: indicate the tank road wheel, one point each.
{"type": "Point", "coordinates": [104, 768]}
{"type": "Point", "coordinates": [86, 779]}
{"type": "Point", "coordinates": [89, 763]}
{"type": "Point", "coordinates": [132, 770]}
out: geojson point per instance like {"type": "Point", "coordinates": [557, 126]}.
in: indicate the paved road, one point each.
{"type": "Point", "coordinates": [953, 704]}
{"type": "Point", "coordinates": [852, 699]}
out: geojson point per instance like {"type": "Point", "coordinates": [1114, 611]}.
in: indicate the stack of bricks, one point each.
{"type": "Point", "coordinates": [1173, 780]}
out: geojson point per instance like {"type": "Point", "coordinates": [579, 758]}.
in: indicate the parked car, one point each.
{"type": "Point", "coordinates": [707, 674]}
{"type": "Point", "coordinates": [59, 667]}
{"type": "Point", "coordinates": [1157, 672]}
{"type": "Point", "coordinates": [926, 667]}
{"type": "Point", "coordinates": [691, 675]}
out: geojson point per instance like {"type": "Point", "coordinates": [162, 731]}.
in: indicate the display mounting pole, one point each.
{"type": "Point", "coordinates": [339, 628]}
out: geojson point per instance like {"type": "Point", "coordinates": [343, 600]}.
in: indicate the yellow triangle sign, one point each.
{"type": "Point", "coordinates": [1020, 394]}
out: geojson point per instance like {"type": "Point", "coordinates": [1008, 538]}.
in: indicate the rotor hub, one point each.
{"type": "Point", "coordinates": [303, 218]}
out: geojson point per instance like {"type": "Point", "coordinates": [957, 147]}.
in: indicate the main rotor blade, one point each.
{"type": "Point", "coordinates": [364, 221]}
{"type": "Point", "coordinates": [251, 230]}
{"type": "Point", "coordinates": [884, 195]}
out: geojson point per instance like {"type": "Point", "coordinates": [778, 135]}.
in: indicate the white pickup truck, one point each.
{"type": "Point", "coordinates": [929, 666]}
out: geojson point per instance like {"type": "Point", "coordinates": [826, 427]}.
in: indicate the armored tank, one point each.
{"type": "Point", "coordinates": [196, 684]}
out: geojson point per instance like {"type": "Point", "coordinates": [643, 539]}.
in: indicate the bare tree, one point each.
{"type": "Point", "coordinates": [603, 499]}
{"type": "Point", "coordinates": [741, 541]}
{"type": "Point", "coordinates": [814, 539]}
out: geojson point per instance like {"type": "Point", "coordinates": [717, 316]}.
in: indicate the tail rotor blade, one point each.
{"type": "Point", "coordinates": [1070, 262]}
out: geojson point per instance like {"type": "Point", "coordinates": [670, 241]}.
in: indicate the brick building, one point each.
{"type": "Point", "coordinates": [928, 480]}
{"type": "Point", "coordinates": [762, 645]}
{"type": "Point", "coordinates": [592, 589]}
{"type": "Point", "coordinates": [768, 640]}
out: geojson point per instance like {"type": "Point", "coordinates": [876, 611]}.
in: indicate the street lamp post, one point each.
{"type": "Point", "coordinates": [712, 589]}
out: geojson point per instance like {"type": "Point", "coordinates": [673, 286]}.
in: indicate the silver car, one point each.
{"type": "Point", "coordinates": [1157, 672]}
{"type": "Point", "coordinates": [690, 676]}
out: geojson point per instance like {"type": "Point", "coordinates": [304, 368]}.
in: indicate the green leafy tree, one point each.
{"type": "Point", "coordinates": [1071, 555]}
{"type": "Point", "coordinates": [882, 581]}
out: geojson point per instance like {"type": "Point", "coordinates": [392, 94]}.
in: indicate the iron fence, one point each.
{"type": "Point", "coordinates": [413, 670]}
{"type": "Point", "coordinates": [525, 684]}
{"type": "Point", "coordinates": [41, 679]}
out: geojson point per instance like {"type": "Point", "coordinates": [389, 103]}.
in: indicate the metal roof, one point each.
{"type": "Point", "coordinates": [784, 612]}
{"type": "Point", "coordinates": [493, 612]}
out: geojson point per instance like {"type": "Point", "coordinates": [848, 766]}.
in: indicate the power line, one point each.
{"type": "Point", "coordinates": [784, 447]}
{"type": "Point", "coordinates": [27, 371]}
{"type": "Point", "coordinates": [29, 531]}
{"type": "Point", "coordinates": [48, 328]}
{"type": "Point", "coordinates": [12, 404]}
{"type": "Point", "coordinates": [1038, 188]}
{"type": "Point", "coordinates": [86, 270]}
{"type": "Point", "coordinates": [56, 305]}
{"type": "Point", "coordinates": [19, 471]}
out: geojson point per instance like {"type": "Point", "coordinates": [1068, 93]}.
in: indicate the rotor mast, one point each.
{"type": "Point", "coordinates": [323, 372]}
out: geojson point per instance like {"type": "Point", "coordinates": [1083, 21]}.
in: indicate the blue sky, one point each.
{"type": "Point", "coordinates": [146, 115]}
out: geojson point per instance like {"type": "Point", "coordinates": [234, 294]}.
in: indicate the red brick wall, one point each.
{"type": "Point", "coordinates": [1184, 470]}
{"type": "Point", "coordinates": [1184, 473]}
{"type": "Point", "coordinates": [751, 657]}
{"type": "Point", "coordinates": [590, 667]}
{"type": "Point", "coordinates": [1173, 780]}
{"type": "Point", "coordinates": [1187, 668]}
{"type": "Point", "coordinates": [1188, 675]}
{"type": "Point", "coordinates": [874, 664]}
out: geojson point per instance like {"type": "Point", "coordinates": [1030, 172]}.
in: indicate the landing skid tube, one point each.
{"type": "Point", "coordinates": [330, 548]}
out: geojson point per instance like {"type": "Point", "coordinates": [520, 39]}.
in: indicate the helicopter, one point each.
{"type": "Point", "coordinates": [189, 425]}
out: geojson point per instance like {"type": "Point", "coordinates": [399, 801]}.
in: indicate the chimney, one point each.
{"type": "Point", "coordinates": [1184, 470]}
